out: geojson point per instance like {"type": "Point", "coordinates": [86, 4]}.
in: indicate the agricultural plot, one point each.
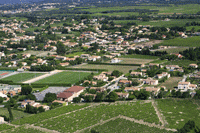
{"type": "Point", "coordinates": [171, 82]}
{"type": "Point", "coordinates": [174, 50]}
{"type": "Point", "coordinates": [22, 77]}
{"type": "Point", "coordinates": [125, 126]}
{"type": "Point", "coordinates": [84, 118]}
{"type": "Point", "coordinates": [74, 54]}
{"type": "Point", "coordinates": [134, 61]}
{"type": "Point", "coordinates": [64, 77]}
{"type": "Point", "coordinates": [16, 114]}
{"type": "Point", "coordinates": [183, 42]}
{"type": "Point", "coordinates": [182, 63]}
{"type": "Point", "coordinates": [23, 129]}
{"type": "Point", "coordinates": [178, 112]}
{"type": "Point", "coordinates": [110, 68]}
{"type": "Point", "coordinates": [137, 56]}
{"type": "Point", "coordinates": [5, 127]}
{"type": "Point", "coordinates": [48, 114]}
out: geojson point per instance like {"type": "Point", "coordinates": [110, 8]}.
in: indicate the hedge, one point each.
{"type": "Point", "coordinates": [82, 69]}
{"type": "Point", "coordinates": [100, 63]}
{"type": "Point", "coordinates": [8, 69]}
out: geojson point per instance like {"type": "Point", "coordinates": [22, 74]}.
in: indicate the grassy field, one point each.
{"type": "Point", "coordinates": [171, 82]}
{"type": "Point", "coordinates": [137, 56]}
{"type": "Point", "coordinates": [5, 127]}
{"type": "Point", "coordinates": [74, 54]}
{"type": "Point", "coordinates": [110, 68]}
{"type": "Point", "coordinates": [159, 61]}
{"type": "Point", "coordinates": [22, 77]}
{"type": "Point", "coordinates": [181, 63]}
{"type": "Point", "coordinates": [178, 112]}
{"type": "Point", "coordinates": [93, 115]}
{"type": "Point", "coordinates": [16, 114]}
{"type": "Point", "coordinates": [174, 50]}
{"type": "Point", "coordinates": [195, 28]}
{"type": "Point", "coordinates": [134, 61]}
{"type": "Point", "coordinates": [64, 77]}
{"type": "Point", "coordinates": [125, 126]}
{"type": "Point", "coordinates": [38, 53]}
{"type": "Point", "coordinates": [184, 42]}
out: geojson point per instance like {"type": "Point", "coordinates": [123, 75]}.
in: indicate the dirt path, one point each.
{"type": "Point", "coordinates": [158, 113]}
{"type": "Point", "coordinates": [41, 129]}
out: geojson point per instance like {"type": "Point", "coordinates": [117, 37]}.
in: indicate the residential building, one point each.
{"type": "Point", "coordinates": [127, 89]}
{"type": "Point", "coordinates": [115, 60]}
{"type": "Point", "coordinates": [102, 77]}
{"type": "Point", "coordinates": [126, 82]}
{"type": "Point", "coordinates": [185, 86]}
{"type": "Point", "coordinates": [122, 95]}
{"type": "Point", "coordinates": [163, 74]}
{"type": "Point", "coordinates": [193, 65]}
{"type": "Point", "coordinates": [136, 73]}
{"type": "Point", "coordinates": [150, 81]}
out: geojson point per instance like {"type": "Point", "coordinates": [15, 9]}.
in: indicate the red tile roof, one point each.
{"type": "Point", "coordinates": [64, 95]}
{"type": "Point", "coordinates": [74, 89]}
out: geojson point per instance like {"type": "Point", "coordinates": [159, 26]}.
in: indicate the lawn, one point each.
{"type": "Point", "coordinates": [93, 115]}
{"type": "Point", "coordinates": [64, 77]}
{"type": "Point", "coordinates": [178, 111]}
{"type": "Point", "coordinates": [171, 82]}
{"type": "Point", "coordinates": [125, 126]}
{"type": "Point", "coordinates": [22, 77]}
{"type": "Point", "coordinates": [110, 68]}
{"type": "Point", "coordinates": [137, 56]}
{"type": "Point", "coordinates": [182, 63]}
{"type": "Point", "coordinates": [184, 42]}
{"type": "Point", "coordinates": [16, 114]}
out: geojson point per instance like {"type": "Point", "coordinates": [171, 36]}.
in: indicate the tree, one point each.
{"type": "Point", "coordinates": [112, 96]}
{"type": "Point", "coordinates": [76, 100]}
{"type": "Point", "coordinates": [41, 109]}
{"type": "Point", "coordinates": [143, 95]}
{"type": "Point", "coordinates": [31, 97]}
{"type": "Point", "coordinates": [135, 82]}
{"type": "Point", "coordinates": [60, 48]}
{"type": "Point", "coordinates": [88, 98]}
{"type": "Point", "coordinates": [1, 100]}
{"type": "Point", "coordinates": [116, 73]}
{"type": "Point", "coordinates": [10, 112]}
{"type": "Point", "coordinates": [197, 95]}
{"type": "Point", "coordinates": [26, 89]}
{"type": "Point", "coordinates": [50, 97]}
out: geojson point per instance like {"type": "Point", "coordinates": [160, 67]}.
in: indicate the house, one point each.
{"type": "Point", "coordinates": [94, 58]}
{"type": "Point", "coordinates": [1, 120]}
{"type": "Point", "coordinates": [61, 58]}
{"type": "Point", "coordinates": [90, 82]}
{"type": "Point", "coordinates": [85, 56]}
{"type": "Point", "coordinates": [98, 89]}
{"type": "Point", "coordinates": [153, 64]}
{"type": "Point", "coordinates": [150, 81]}
{"type": "Point", "coordinates": [101, 76]}
{"type": "Point", "coordinates": [127, 89]}
{"type": "Point", "coordinates": [26, 102]}
{"type": "Point", "coordinates": [115, 60]}
{"type": "Point", "coordinates": [126, 82]}
{"type": "Point", "coordinates": [12, 93]}
{"type": "Point", "coordinates": [64, 64]}
{"type": "Point", "coordinates": [70, 93]}
{"type": "Point", "coordinates": [122, 95]}
{"type": "Point", "coordinates": [185, 86]}
{"type": "Point", "coordinates": [163, 74]}
{"type": "Point", "coordinates": [136, 73]}
{"type": "Point", "coordinates": [193, 65]}
{"type": "Point", "coordinates": [172, 67]}
{"type": "Point", "coordinates": [115, 54]}
{"type": "Point", "coordinates": [94, 95]}
{"type": "Point", "coordinates": [152, 89]}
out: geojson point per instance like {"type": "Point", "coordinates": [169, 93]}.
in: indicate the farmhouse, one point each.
{"type": "Point", "coordinates": [185, 86]}
{"type": "Point", "coordinates": [70, 93]}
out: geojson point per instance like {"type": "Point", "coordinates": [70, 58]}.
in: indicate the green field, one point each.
{"type": "Point", "coordinates": [171, 82]}
{"type": "Point", "coordinates": [5, 127]}
{"type": "Point", "coordinates": [22, 77]}
{"type": "Point", "coordinates": [16, 114]}
{"type": "Point", "coordinates": [125, 126]}
{"type": "Point", "coordinates": [174, 50]}
{"type": "Point", "coordinates": [184, 42]}
{"type": "Point", "coordinates": [178, 112]}
{"type": "Point", "coordinates": [23, 129]}
{"type": "Point", "coordinates": [64, 77]}
{"type": "Point", "coordinates": [139, 56]}
{"type": "Point", "coordinates": [74, 54]}
{"type": "Point", "coordinates": [182, 63]}
{"type": "Point", "coordinates": [110, 68]}
{"type": "Point", "coordinates": [93, 115]}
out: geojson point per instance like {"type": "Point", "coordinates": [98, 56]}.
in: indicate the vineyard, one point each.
{"type": "Point", "coordinates": [46, 115]}
{"type": "Point", "coordinates": [90, 116]}
{"type": "Point", "coordinates": [125, 126]}
{"type": "Point", "coordinates": [23, 129]}
{"type": "Point", "coordinates": [178, 112]}
{"type": "Point", "coordinates": [5, 127]}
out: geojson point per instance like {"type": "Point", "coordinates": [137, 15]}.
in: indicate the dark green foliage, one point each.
{"type": "Point", "coordinates": [31, 97]}
{"type": "Point", "coordinates": [10, 112]}
{"type": "Point", "coordinates": [50, 97]}
{"type": "Point", "coordinates": [43, 68]}
{"type": "Point", "coordinates": [188, 127]}
{"type": "Point", "coordinates": [26, 89]}
{"type": "Point", "coordinates": [76, 100]}
{"type": "Point", "coordinates": [60, 48]}
{"type": "Point", "coordinates": [197, 95]}
{"type": "Point", "coordinates": [112, 96]}
{"type": "Point", "coordinates": [1, 100]}
{"type": "Point", "coordinates": [88, 98]}
{"type": "Point", "coordinates": [41, 109]}
{"type": "Point", "coordinates": [30, 109]}
{"type": "Point", "coordinates": [116, 73]}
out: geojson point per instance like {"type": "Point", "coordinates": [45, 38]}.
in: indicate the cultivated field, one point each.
{"type": "Point", "coordinates": [137, 56]}
{"type": "Point", "coordinates": [38, 53]}
{"type": "Point", "coordinates": [174, 50]}
{"type": "Point", "coordinates": [16, 114]}
{"type": "Point", "coordinates": [22, 77]}
{"type": "Point", "coordinates": [64, 77]}
{"type": "Point", "coordinates": [171, 82]}
{"type": "Point", "coordinates": [23, 129]}
{"type": "Point", "coordinates": [125, 126]}
{"type": "Point", "coordinates": [178, 112]}
{"type": "Point", "coordinates": [183, 42]}
{"type": "Point", "coordinates": [134, 61]}
{"type": "Point", "coordinates": [181, 63]}
{"type": "Point", "coordinates": [110, 68]}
